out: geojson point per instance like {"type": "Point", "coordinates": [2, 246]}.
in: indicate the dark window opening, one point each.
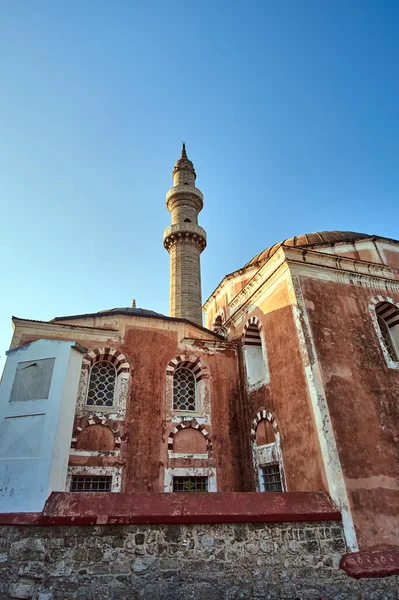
{"type": "Point", "coordinates": [190, 484]}
{"type": "Point", "coordinates": [91, 483]}
{"type": "Point", "coordinates": [271, 479]}
{"type": "Point", "coordinates": [187, 220]}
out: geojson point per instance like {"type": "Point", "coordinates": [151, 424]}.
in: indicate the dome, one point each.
{"type": "Point", "coordinates": [138, 312]}
{"type": "Point", "coordinates": [306, 240]}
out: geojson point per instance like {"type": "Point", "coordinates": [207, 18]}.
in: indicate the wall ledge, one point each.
{"type": "Point", "coordinates": [382, 563]}
{"type": "Point", "coordinates": [77, 508]}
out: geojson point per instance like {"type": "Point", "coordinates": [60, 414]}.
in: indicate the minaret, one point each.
{"type": "Point", "coordinates": [185, 240]}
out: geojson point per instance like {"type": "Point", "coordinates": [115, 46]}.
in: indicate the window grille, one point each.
{"type": "Point", "coordinates": [102, 384]}
{"type": "Point", "coordinates": [184, 390]}
{"type": "Point", "coordinates": [91, 483]}
{"type": "Point", "coordinates": [190, 484]}
{"type": "Point", "coordinates": [271, 479]}
{"type": "Point", "coordinates": [386, 336]}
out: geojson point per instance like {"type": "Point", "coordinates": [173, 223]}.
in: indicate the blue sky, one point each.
{"type": "Point", "coordinates": [289, 110]}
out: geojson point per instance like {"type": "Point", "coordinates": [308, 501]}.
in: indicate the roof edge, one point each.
{"type": "Point", "coordinates": [146, 316]}
{"type": "Point", "coordinates": [278, 245]}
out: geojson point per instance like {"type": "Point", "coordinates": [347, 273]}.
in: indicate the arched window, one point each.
{"type": "Point", "coordinates": [101, 389]}
{"type": "Point", "coordinates": [255, 354]}
{"type": "Point", "coordinates": [218, 322]}
{"type": "Point", "coordinates": [267, 455]}
{"type": "Point", "coordinates": [184, 390]}
{"type": "Point", "coordinates": [388, 322]}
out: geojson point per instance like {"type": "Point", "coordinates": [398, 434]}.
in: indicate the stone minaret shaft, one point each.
{"type": "Point", "coordinates": [185, 240]}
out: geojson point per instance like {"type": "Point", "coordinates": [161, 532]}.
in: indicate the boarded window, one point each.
{"type": "Point", "coordinates": [32, 380]}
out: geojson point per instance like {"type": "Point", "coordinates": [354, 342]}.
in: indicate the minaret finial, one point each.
{"type": "Point", "coordinates": [183, 150]}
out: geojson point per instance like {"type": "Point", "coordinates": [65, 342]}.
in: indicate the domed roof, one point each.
{"type": "Point", "coordinates": [140, 312]}
{"type": "Point", "coordinates": [317, 238]}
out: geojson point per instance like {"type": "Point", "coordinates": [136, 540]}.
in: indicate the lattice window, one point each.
{"type": "Point", "coordinates": [101, 390]}
{"type": "Point", "coordinates": [184, 390]}
{"type": "Point", "coordinates": [271, 478]}
{"type": "Point", "coordinates": [91, 483]}
{"type": "Point", "coordinates": [190, 484]}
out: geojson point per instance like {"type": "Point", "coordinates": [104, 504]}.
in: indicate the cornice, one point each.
{"type": "Point", "coordinates": [309, 262]}
{"type": "Point", "coordinates": [47, 326]}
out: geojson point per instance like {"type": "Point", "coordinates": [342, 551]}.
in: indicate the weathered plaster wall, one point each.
{"type": "Point", "coordinates": [362, 394]}
{"type": "Point", "coordinates": [149, 345]}
{"type": "Point", "coordinates": [286, 396]}
{"type": "Point", "coordinates": [275, 561]}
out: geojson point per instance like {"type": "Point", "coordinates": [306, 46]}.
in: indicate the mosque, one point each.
{"type": "Point", "coordinates": [292, 384]}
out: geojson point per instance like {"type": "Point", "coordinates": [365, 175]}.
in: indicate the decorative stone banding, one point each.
{"type": "Point", "coordinates": [194, 425]}
{"type": "Point", "coordinates": [182, 361]}
{"type": "Point", "coordinates": [263, 414]}
{"type": "Point", "coordinates": [107, 354]}
{"type": "Point", "coordinates": [96, 419]}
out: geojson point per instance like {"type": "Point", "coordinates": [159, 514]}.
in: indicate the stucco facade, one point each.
{"type": "Point", "coordinates": [292, 385]}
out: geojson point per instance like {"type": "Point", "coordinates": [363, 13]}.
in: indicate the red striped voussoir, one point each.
{"type": "Point", "coordinates": [194, 425]}
{"type": "Point", "coordinates": [389, 312]}
{"type": "Point", "coordinates": [251, 333]}
{"type": "Point", "coordinates": [263, 414]}
{"type": "Point", "coordinates": [182, 362]}
{"type": "Point", "coordinates": [111, 355]}
{"type": "Point", "coordinates": [84, 422]}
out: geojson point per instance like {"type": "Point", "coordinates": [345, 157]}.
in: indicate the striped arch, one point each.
{"type": "Point", "coordinates": [184, 361]}
{"type": "Point", "coordinates": [218, 322]}
{"type": "Point", "coordinates": [251, 333]}
{"type": "Point", "coordinates": [263, 414]}
{"type": "Point", "coordinates": [84, 422]}
{"type": "Point", "coordinates": [109, 354]}
{"type": "Point", "coordinates": [194, 425]}
{"type": "Point", "coordinates": [384, 313]}
{"type": "Point", "coordinates": [389, 312]}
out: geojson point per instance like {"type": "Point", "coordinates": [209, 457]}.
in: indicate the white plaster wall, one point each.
{"type": "Point", "coordinates": [35, 435]}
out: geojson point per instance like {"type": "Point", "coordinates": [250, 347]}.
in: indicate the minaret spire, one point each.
{"type": "Point", "coordinates": [185, 240]}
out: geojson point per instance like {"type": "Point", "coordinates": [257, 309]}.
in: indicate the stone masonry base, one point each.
{"type": "Point", "coordinates": [181, 562]}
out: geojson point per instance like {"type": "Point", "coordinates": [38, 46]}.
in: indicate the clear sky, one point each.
{"type": "Point", "coordinates": [289, 110]}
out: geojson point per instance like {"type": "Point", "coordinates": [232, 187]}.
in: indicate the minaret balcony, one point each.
{"type": "Point", "coordinates": [182, 192]}
{"type": "Point", "coordinates": [181, 232]}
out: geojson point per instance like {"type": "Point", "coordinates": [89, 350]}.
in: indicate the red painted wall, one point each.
{"type": "Point", "coordinates": [286, 396]}
{"type": "Point", "coordinates": [362, 394]}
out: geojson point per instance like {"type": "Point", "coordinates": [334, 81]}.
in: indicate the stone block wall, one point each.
{"type": "Point", "coordinates": [181, 562]}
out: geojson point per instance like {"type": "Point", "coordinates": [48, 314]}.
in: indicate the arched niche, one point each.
{"type": "Point", "coordinates": [97, 438]}
{"type": "Point", "coordinates": [189, 441]}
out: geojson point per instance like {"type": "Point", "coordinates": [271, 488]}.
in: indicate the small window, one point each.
{"type": "Point", "coordinates": [190, 484]}
{"type": "Point", "coordinates": [91, 483]}
{"type": "Point", "coordinates": [255, 357]}
{"type": "Point", "coordinates": [271, 478]}
{"type": "Point", "coordinates": [184, 390]}
{"type": "Point", "coordinates": [388, 322]}
{"type": "Point", "coordinates": [218, 323]}
{"type": "Point", "coordinates": [187, 220]}
{"type": "Point", "coordinates": [101, 390]}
